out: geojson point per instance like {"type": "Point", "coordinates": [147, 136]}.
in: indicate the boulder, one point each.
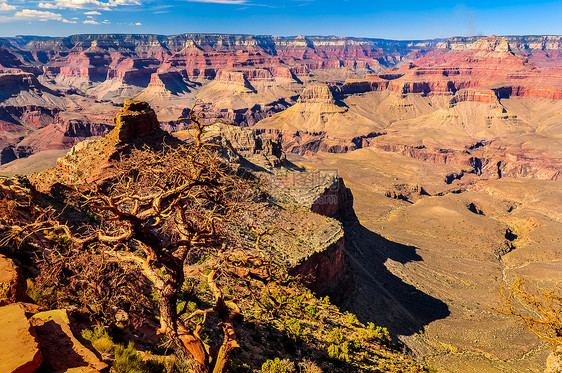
{"type": "Point", "coordinates": [61, 350]}
{"type": "Point", "coordinates": [19, 352]}
{"type": "Point", "coordinates": [12, 283]}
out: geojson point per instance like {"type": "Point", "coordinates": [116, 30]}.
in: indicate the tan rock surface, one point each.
{"type": "Point", "coordinates": [61, 350]}
{"type": "Point", "coordinates": [19, 352]}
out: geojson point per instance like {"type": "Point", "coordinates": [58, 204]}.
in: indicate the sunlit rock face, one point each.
{"type": "Point", "coordinates": [136, 119]}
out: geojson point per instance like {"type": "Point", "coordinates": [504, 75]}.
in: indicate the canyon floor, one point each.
{"type": "Point", "coordinates": [429, 269]}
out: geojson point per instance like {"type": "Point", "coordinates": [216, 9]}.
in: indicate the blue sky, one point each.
{"type": "Point", "coordinates": [378, 19]}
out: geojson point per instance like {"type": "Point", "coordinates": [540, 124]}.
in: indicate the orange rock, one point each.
{"type": "Point", "coordinates": [61, 350]}
{"type": "Point", "coordinates": [12, 283]}
{"type": "Point", "coordinates": [19, 352]}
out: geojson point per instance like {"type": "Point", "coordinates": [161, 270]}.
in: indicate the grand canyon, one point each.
{"type": "Point", "coordinates": [416, 178]}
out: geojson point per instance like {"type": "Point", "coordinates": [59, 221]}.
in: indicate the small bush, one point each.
{"type": "Point", "coordinates": [294, 328]}
{"type": "Point", "coordinates": [376, 333]}
{"type": "Point", "coordinates": [128, 360]}
{"type": "Point", "coordinates": [278, 366]}
{"type": "Point", "coordinates": [307, 366]}
{"type": "Point", "coordinates": [33, 293]}
{"type": "Point", "coordinates": [333, 351]}
{"type": "Point", "coordinates": [351, 319]}
{"type": "Point", "coordinates": [311, 311]}
{"type": "Point", "coordinates": [103, 345]}
{"type": "Point", "coordinates": [335, 336]}
{"type": "Point", "coordinates": [340, 352]}
{"type": "Point", "coordinates": [97, 332]}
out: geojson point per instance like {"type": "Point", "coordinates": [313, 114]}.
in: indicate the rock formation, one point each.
{"type": "Point", "coordinates": [20, 351]}
{"type": "Point", "coordinates": [249, 78]}
{"type": "Point", "coordinates": [60, 349]}
{"type": "Point", "coordinates": [91, 159]}
{"type": "Point", "coordinates": [322, 197]}
{"type": "Point", "coordinates": [12, 283]}
{"type": "Point", "coordinates": [136, 119]}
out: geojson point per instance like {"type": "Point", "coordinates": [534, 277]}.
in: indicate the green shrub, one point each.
{"type": "Point", "coordinates": [345, 352]}
{"type": "Point", "coordinates": [97, 332]}
{"type": "Point", "coordinates": [335, 336]}
{"type": "Point", "coordinates": [278, 366]}
{"type": "Point", "coordinates": [376, 333]}
{"type": "Point", "coordinates": [128, 360]}
{"type": "Point", "coordinates": [32, 292]}
{"type": "Point", "coordinates": [351, 319]}
{"type": "Point", "coordinates": [333, 351]}
{"type": "Point", "coordinates": [340, 352]}
{"type": "Point", "coordinates": [307, 366]}
{"type": "Point", "coordinates": [103, 345]}
{"type": "Point", "coordinates": [294, 328]}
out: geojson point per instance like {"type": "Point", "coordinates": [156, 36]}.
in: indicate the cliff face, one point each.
{"type": "Point", "coordinates": [324, 271]}
{"type": "Point", "coordinates": [460, 64]}
{"type": "Point", "coordinates": [84, 60]}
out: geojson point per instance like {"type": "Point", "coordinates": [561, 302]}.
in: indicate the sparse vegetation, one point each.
{"type": "Point", "coordinates": [278, 366]}
{"type": "Point", "coordinates": [128, 360]}
{"type": "Point", "coordinates": [538, 308]}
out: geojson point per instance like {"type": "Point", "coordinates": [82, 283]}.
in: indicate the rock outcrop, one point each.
{"type": "Point", "coordinates": [324, 271]}
{"type": "Point", "coordinates": [91, 160]}
{"type": "Point", "coordinates": [317, 94]}
{"type": "Point", "coordinates": [61, 350]}
{"type": "Point", "coordinates": [318, 256]}
{"type": "Point", "coordinates": [136, 119]}
{"type": "Point", "coordinates": [252, 149]}
{"type": "Point", "coordinates": [12, 283]}
{"type": "Point", "coordinates": [20, 351]}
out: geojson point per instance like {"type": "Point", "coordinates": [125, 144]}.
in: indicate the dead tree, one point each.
{"type": "Point", "coordinates": [198, 119]}
{"type": "Point", "coordinates": [165, 212]}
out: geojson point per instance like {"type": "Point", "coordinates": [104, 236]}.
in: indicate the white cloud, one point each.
{"type": "Point", "coordinates": [47, 6]}
{"type": "Point", "coordinates": [86, 4]}
{"type": "Point", "coordinates": [4, 7]}
{"type": "Point", "coordinates": [91, 22]}
{"type": "Point", "coordinates": [93, 12]}
{"type": "Point", "coordinates": [38, 15]}
{"type": "Point", "coordinates": [220, 1]}
{"type": "Point", "coordinates": [138, 24]}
